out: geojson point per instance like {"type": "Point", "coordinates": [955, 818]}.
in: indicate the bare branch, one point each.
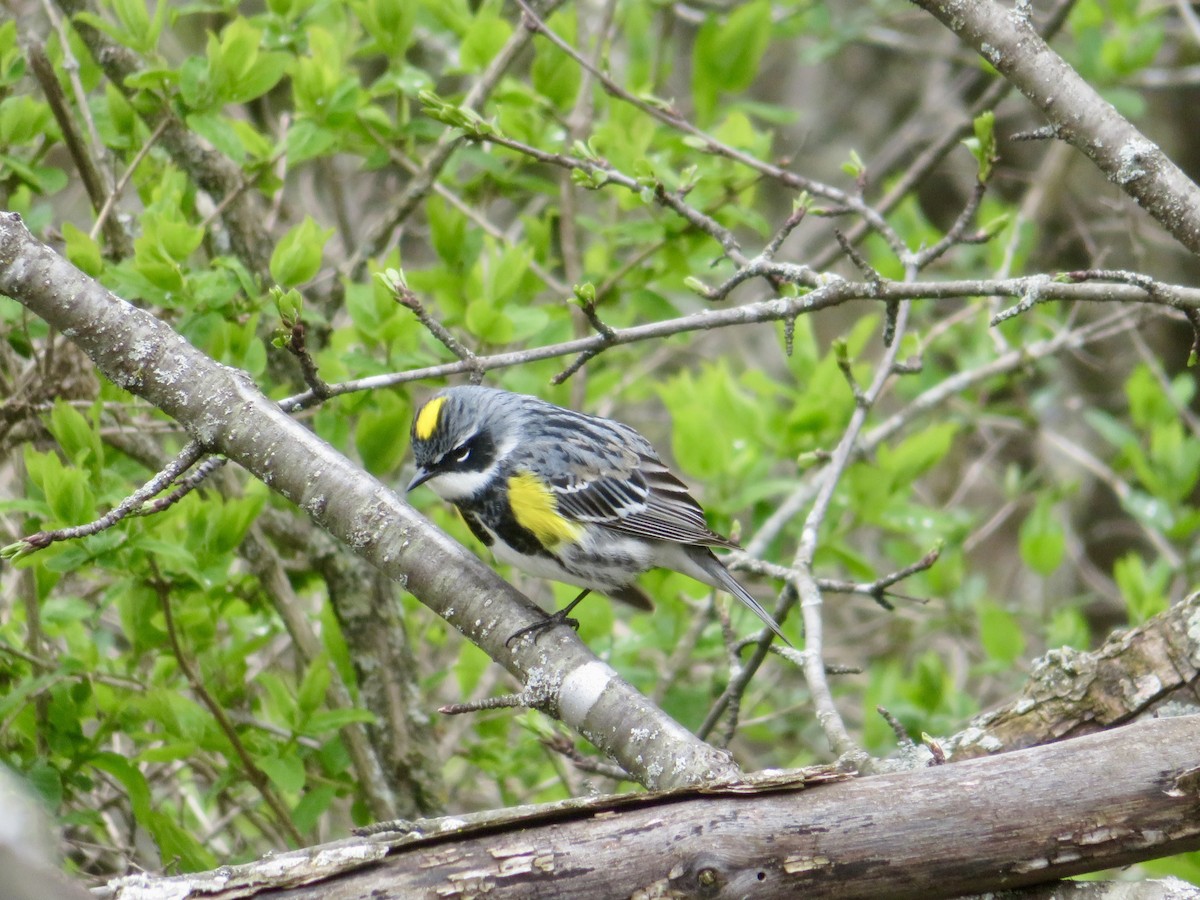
{"type": "Point", "coordinates": [1006, 39]}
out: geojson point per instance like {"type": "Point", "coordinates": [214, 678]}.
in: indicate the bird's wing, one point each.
{"type": "Point", "coordinates": [632, 491]}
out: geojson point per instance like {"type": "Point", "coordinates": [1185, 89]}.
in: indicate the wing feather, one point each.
{"type": "Point", "coordinates": [605, 473]}
{"type": "Point", "coordinates": [642, 498]}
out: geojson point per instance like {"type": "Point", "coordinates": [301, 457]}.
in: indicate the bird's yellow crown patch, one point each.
{"type": "Point", "coordinates": [427, 418]}
{"type": "Point", "coordinates": [536, 510]}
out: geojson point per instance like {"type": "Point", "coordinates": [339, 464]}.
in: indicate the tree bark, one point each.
{"type": "Point", "coordinates": [1070, 694]}
{"type": "Point", "coordinates": [993, 823]}
{"type": "Point", "coordinates": [1006, 38]}
{"type": "Point", "coordinates": [223, 410]}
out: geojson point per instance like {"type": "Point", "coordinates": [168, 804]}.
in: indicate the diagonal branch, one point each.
{"type": "Point", "coordinates": [991, 824]}
{"type": "Point", "coordinates": [1006, 38]}
{"type": "Point", "coordinates": [226, 413]}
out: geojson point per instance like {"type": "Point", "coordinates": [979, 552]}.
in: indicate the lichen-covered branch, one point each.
{"type": "Point", "coordinates": [226, 413]}
{"type": "Point", "coordinates": [1006, 38]}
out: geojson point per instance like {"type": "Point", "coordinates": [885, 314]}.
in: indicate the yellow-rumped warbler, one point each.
{"type": "Point", "coordinates": [565, 496]}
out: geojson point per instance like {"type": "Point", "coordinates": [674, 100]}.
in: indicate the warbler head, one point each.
{"type": "Point", "coordinates": [459, 438]}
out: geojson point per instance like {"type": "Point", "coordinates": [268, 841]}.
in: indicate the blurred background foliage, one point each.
{"type": "Point", "coordinates": [1061, 490]}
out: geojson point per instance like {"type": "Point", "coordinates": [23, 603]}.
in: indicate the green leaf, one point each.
{"type": "Point", "coordinates": [239, 71]}
{"type": "Point", "coordinates": [854, 166]}
{"type": "Point", "coordinates": [131, 778]}
{"type": "Point", "coordinates": [452, 236]}
{"type": "Point", "coordinates": [176, 844]}
{"type": "Point", "coordinates": [1148, 403]}
{"type": "Point", "coordinates": [47, 781]}
{"type": "Point", "coordinates": [917, 454]}
{"type": "Point", "coordinates": [24, 119]}
{"type": "Point", "coordinates": [553, 73]}
{"type": "Point", "coordinates": [929, 682]}
{"type": "Point", "coordinates": [1068, 628]}
{"type": "Point", "coordinates": [326, 720]}
{"type": "Point", "coordinates": [983, 145]}
{"type": "Point", "coordinates": [315, 685]}
{"type": "Point", "coordinates": [226, 522]}
{"type": "Point", "coordinates": [82, 251]}
{"type": "Point", "coordinates": [1042, 541]}
{"type": "Point", "coordinates": [268, 69]}
{"type": "Point", "coordinates": [488, 33]}
{"type": "Point", "coordinates": [389, 22]}
{"type": "Point", "coordinates": [1000, 633]}
{"type": "Point", "coordinates": [195, 84]}
{"type": "Point", "coordinates": [488, 321]}
{"type": "Point", "coordinates": [726, 54]}
{"type": "Point", "coordinates": [312, 806]}
{"type": "Point", "coordinates": [469, 668]}
{"type": "Point", "coordinates": [67, 490]}
{"type": "Point", "coordinates": [44, 180]}
{"type": "Point", "coordinates": [220, 132]}
{"type": "Point", "coordinates": [297, 256]}
{"type": "Point", "coordinates": [173, 751]}
{"type": "Point", "coordinates": [16, 696]}
{"type": "Point", "coordinates": [381, 435]}
{"type": "Point", "coordinates": [286, 772]}
{"type": "Point", "coordinates": [79, 440]}
{"type": "Point", "coordinates": [233, 54]}
{"type": "Point", "coordinates": [1144, 590]}
{"type": "Point", "coordinates": [178, 238]}
{"type": "Point", "coordinates": [505, 272]}
{"type": "Point", "coordinates": [307, 140]}
{"type": "Point", "coordinates": [135, 20]}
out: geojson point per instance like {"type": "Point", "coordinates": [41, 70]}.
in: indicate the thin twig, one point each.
{"type": "Point", "coordinates": [672, 118]}
{"type": "Point", "coordinates": [297, 346]}
{"type": "Point", "coordinates": [119, 188]}
{"type": "Point", "coordinates": [877, 590]}
{"type": "Point", "coordinates": [504, 701]}
{"type": "Point", "coordinates": [96, 180]}
{"type": "Point", "coordinates": [406, 298]}
{"type": "Point", "coordinates": [902, 737]}
{"type": "Point", "coordinates": [944, 141]}
{"type": "Point", "coordinates": [256, 776]}
{"type": "Point", "coordinates": [184, 487]}
{"type": "Point", "coordinates": [803, 586]}
{"type": "Point", "coordinates": [590, 764]}
{"type": "Point", "coordinates": [604, 173]}
{"type": "Point", "coordinates": [183, 461]}
{"type": "Point", "coordinates": [419, 186]}
{"type": "Point", "coordinates": [958, 231]}
{"type": "Point", "coordinates": [832, 292]}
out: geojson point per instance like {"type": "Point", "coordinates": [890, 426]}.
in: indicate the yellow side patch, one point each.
{"type": "Point", "coordinates": [427, 418]}
{"type": "Point", "coordinates": [536, 510]}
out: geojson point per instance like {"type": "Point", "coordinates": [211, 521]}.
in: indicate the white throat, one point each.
{"type": "Point", "coordinates": [457, 486]}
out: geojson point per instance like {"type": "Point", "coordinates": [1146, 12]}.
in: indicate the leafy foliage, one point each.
{"type": "Point", "coordinates": [152, 678]}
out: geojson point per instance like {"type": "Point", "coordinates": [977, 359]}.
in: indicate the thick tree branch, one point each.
{"type": "Point", "coordinates": [996, 823]}
{"type": "Point", "coordinates": [223, 410]}
{"type": "Point", "coordinates": [1006, 38]}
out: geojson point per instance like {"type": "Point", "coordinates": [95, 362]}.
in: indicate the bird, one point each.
{"type": "Point", "coordinates": [565, 496]}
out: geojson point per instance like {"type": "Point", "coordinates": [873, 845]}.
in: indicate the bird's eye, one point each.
{"type": "Point", "coordinates": [461, 454]}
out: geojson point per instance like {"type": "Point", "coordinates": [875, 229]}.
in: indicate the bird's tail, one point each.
{"type": "Point", "coordinates": [719, 577]}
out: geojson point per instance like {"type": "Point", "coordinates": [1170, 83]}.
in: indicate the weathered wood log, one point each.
{"type": "Point", "coordinates": [1071, 693]}
{"type": "Point", "coordinates": [1110, 799]}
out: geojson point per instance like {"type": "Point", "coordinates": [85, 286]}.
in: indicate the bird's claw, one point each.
{"type": "Point", "coordinates": [537, 629]}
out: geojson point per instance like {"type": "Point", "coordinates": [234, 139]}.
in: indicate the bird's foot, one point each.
{"type": "Point", "coordinates": [537, 629]}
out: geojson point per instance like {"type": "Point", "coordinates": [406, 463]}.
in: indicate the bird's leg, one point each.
{"type": "Point", "coordinates": [562, 617]}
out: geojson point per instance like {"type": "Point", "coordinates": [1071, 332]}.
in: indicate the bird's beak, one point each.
{"type": "Point", "coordinates": [422, 476]}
